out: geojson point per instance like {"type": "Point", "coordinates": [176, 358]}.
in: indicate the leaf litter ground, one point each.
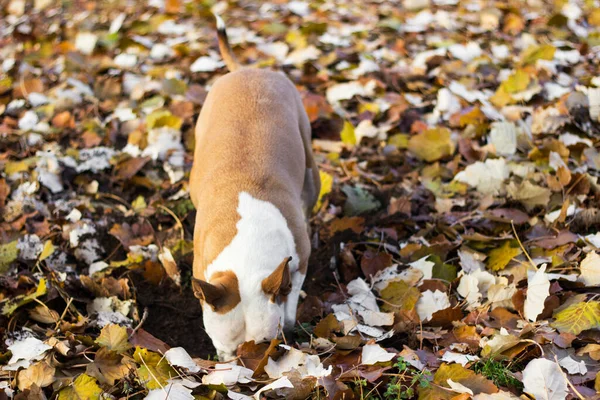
{"type": "Point", "coordinates": [456, 240]}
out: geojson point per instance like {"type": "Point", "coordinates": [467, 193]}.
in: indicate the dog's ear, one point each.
{"type": "Point", "coordinates": [222, 295]}
{"type": "Point", "coordinates": [207, 292]}
{"type": "Point", "coordinates": [279, 283]}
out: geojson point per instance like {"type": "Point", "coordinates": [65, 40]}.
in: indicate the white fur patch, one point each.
{"type": "Point", "coordinates": [262, 241]}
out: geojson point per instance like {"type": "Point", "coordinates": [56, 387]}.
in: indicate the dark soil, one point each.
{"type": "Point", "coordinates": [174, 316]}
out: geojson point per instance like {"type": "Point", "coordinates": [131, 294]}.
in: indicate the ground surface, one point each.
{"type": "Point", "coordinates": [457, 235]}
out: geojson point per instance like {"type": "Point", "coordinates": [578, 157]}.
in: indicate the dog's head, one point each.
{"type": "Point", "coordinates": [239, 310]}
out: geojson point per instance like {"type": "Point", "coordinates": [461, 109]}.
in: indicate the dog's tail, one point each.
{"type": "Point", "coordinates": [226, 52]}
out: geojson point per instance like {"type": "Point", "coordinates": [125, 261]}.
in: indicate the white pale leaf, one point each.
{"type": "Point", "coordinates": [282, 382]}
{"type": "Point", "coordinates": [538, 289]}
{"type": "Point", "coordinates": [590, 269]}
{"type": "Point", "coordinates": [426, 267]}
{"type": "Point", "coordinates": [206, 64]}
{"type": "Point", "coordinates": [228, 374]}
{"type": "Point", "coordinates": [543, 379]}
{"type": "Point", "coordinates": [431, 302]}
{"type": "Point", "coordinates": [462, 359]}
{"type": "Point", "coordinates": [296, 360]}
{"type": "Point", "coordinates": [27, 350]}
{"type": "Point", "coordinates": [173, 391]}
{"type": "Point", "coordinates": [503, 136]}
{"type": "Point", "coordinates": [376, 318]}
{"type": "Point", "coordinates": [496, 396]}
{"type": "Point", "coordinates": [177, 356]}
{"type": "Point", "coordinates": [459, 388]}
{"type": "Point", "coordinates": [471, 261]}
{"type": "Point", "coordinates": [487, 178]}
{"type": "Point", "coordinates": [374, 353]}
{"type": "Point", "coordinates": [85, 42]}
{"type": "Point", "coordinates": [466, 52]}
{"type": "Point", "coordinates": [593, 239]}
{"type": "Point", "coordinates": [469, 290]}
{"type": "Point", "coordinates": [344, 91]}
{"type": "Point", "coordinates": [300, 56]}
{"type": "Point", "coordinates": [572, 366]}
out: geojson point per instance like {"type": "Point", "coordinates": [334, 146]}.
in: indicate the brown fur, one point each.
{"type": "Point", "coordinates": [279, 283]}
{"type": "Point", "coordinates": [252, 135]}
{"type": "Point", "coordinates": [222, 293]}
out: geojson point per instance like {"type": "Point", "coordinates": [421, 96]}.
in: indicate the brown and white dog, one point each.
{"type": "Point", "coordinates": [254, 183]}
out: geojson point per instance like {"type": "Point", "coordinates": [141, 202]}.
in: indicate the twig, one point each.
{"type": "Point", "coordinates": [144, 316]}
{"type": "Point", "coordinates": [176, 218]}
{"type": "Point", "coordinates": [64, 313]}
{"type": "Point", "coordinates": [567, 379]}
{"type": "Point", "coordinates": [521, 244]}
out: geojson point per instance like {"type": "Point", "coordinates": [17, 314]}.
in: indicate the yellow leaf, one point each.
{"type": "Point", "coordinates": [139, 204]}
{"type": "Point", "coordinates": [13, 167]}
{"type": "Point", "coordinates": [347, 134]}
{"type": "Point", "coordinates": [40, 374]}
{"type": "Point", "coordinates": [114, 337]}
{"type": "Point", "coordinates": [594, 19]}
{"type": "Point", "coordinates": [399, 295]}
{"type": "Point", "coordinates": [399, 140]}
{"type": "Point", "coordinates": [18, 301]}
{"type": "Point", "coordinates": [577, 315]}
{"type": "Point", "coordinates": [326, 185]}
{"type": "Point", "coordinates": [84, 388]}
{"type": "Point", "coordinates": [163, 118]}
{"type": "Point", "coordinates": [517, 82]}
{"type": "Point", "coordinates": [500, 257]}
{"type": "Point", "coordinates": [369, 107]}
{"type": "Point", "coordinates": [8, 254]}
{"type": "Point", "coordinates": [48, 250]}
{"type": "Point", "coordinates": [153, 368]}
{"type": "Point", "coordinates": [534, 53]}
{"type": "Point", "coordinates": [431, 145]}
{"type": "Point", "coordinates": [597, 380]}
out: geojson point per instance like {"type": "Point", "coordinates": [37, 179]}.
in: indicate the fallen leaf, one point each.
{"type": "Point", "coordinates": [590, 269]}
{"type": "Point", "coordinates": [431, 145]}
{"type": "Point", "coordinates": [153, 369]}
{"type": "Point", "coordinates": [115, 338]}
{"type": "Point", "coordinates": [431, 302]}
{"type": "Point", "coordinates": [499, 257]}
{"type": "Point", "coordinates": [40, 374]}
{"type": "Point", "coordinates": [577, 315]}
{"type": "Point", "coordinates": [538, 290]}
{"type": "Point", "coordinates": [374, 353]}
{"type": "Point", "coordinates": [544, 380]}
{"type": "Point", "coordinates": [83, 388]}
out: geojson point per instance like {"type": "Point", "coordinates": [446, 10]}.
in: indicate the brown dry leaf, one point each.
{"type": "Point", "coordinates": [327, 326]}
{"type": "Point", "coordinates": [592, 349]}
{"type": "Point", "coordinates": [108, 366]}
{"type": "Point", "coordinates": [127, 169]}
{"type": "Point", "coordinates": [40, 374]}
{"type": "Point", "coordinates": [44, 314]}
{"type": "Point", "coordinates": [255, 356]}
{"type": "Point", "coordinates": [63, 120]}
{"type": "Point", "coordinates": [372, 262]}
{"type": "Point", "coordinates": [137, 234]}
{"type": "Point", "coordinates": [458, 373]}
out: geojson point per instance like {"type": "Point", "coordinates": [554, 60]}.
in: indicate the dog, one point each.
{"type": "Point", "coordinates": [254, 183]}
